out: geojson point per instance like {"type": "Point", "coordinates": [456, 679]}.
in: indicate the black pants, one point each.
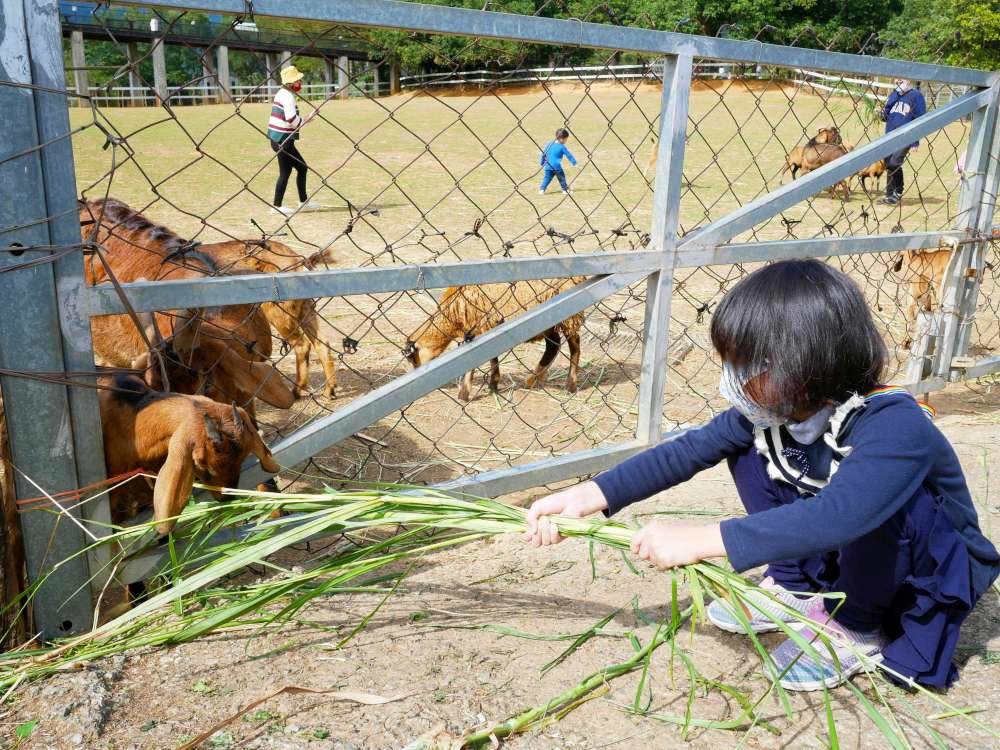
{"type": "Point", "coordinates": [894, 172]}
{"type": "Point", "coordinates": [289, 158]}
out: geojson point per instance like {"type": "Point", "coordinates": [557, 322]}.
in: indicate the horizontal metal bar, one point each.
{"type": "Point", "coordinates": [786, 196]}
{"type": "Point", "coordinates": [231, 290]}
{"type": "Point", "coordinates": [980, 368]}
{"type": "Point", "coordinates": [818, 247]}
{"type": "Point", "coordinates": [371, 407]}
{"type": "Point", "coordinates": [477, 23]}
{"type": "Point", "coordinates": [927, 385]}
{"type": "Point", "coordinates": [538, 473]}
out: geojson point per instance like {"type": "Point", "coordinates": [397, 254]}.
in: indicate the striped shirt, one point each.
{"type": "Point", "coordinates": [285, 120]}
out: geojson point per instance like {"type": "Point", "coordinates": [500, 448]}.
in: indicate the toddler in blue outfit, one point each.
{"type": "Point", "coordinates": [847, 483]}
{"type": "Point", "coordinates": [551, 160]}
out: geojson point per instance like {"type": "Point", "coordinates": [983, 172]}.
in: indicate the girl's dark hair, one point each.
{"type": "Point", "coordinates": [562, 133]}
{"type": "Point", "coordinates": [808, 326]}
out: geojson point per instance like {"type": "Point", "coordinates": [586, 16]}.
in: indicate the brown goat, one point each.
{"type": "Point", "coordinates": [796, 158]}
{"type": "Point", "coordinates": [924, 271]}
{"type": "Point", "coordinates": [223, 351]}
{"type": "Point", "coordinates": [296, 320]}
{"type": "Point", "coordinates": [182, 438]}
{"type": "Point", "coordinates": [820, 154]}
{"type": "Point", "coordinates": [872, 171]}
{"type": "Point", "coordinates": [465, 312]}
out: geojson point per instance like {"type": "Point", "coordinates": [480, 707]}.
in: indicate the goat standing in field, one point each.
{"type": "Point", "coordinates": [816, 156]}
{"type": "Point", "coordinates": [465, 312]}
{"type": "Point", "coordinates": [180, 437]}
{"type": "Point", "coordinates": [797, 157]}
{"type": "Point", "coordinates": [873, 172]}
{"type": "Point", "coordinates": [223, 352]}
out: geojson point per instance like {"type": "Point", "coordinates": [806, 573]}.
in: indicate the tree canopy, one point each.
{"type": "Point", "coordinates": [956, 32]}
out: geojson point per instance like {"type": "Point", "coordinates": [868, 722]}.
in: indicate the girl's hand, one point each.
{"type": "Point", "coordinates": [576, 502]}
{"type": "Point", "coordinates": [669, 546]}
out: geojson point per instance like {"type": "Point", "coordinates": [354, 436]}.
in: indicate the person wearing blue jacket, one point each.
{"type": "Point", "coordinates": [848, 486]}
{"type": "Point", "coordinates": [904, 104]}
{"type": "Point", "coordinates": [551, 161]}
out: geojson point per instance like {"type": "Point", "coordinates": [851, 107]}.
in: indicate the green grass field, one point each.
{"type": "Point", "coordinates": [438, 164]}
{"type": "Point", "coordinates": [435, 167]}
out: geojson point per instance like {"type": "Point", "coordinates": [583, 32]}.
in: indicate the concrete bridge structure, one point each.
{"type": "Point", "coordinates": [213, 38]}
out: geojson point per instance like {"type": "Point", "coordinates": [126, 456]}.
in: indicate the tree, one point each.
{"type": "Point", "coordinates": [957, 32]}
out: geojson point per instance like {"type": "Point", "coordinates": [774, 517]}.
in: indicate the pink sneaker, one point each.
{"type": "Point", "coordinates": [764, 612]}
{"type": "Point", "coordinates": [853, 651]}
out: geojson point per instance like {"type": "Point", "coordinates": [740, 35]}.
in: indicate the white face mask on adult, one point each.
{"type": "Point", "coordinates": [902, 85]}
{"type": "Point", "coordinates": [732, 388]}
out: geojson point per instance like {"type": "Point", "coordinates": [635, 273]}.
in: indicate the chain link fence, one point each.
{"type": "Point", "coordinates": [438, 175]}
{"type": "Point", "coordinates": [450, 174]}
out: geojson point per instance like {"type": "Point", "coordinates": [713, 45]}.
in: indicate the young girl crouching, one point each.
{"type": "Point", "coordinates": [847, 484]}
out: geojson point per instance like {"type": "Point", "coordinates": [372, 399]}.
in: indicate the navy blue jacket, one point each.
{"type": "Point", "coordinates": [895, 449]}
{"type": "Point", "coordinates": [902, 108]}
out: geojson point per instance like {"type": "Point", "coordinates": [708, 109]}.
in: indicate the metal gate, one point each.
{"type": "Point", "coordinates": [45, 307]}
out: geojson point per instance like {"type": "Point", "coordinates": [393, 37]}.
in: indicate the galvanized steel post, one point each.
{"type": "Point", "coordinates": [954, 294]}
{"type": "Point", "coordinates": [987, 173]}
{"type": "Point", "coordinates": [50, 429]}
{"type": "Point", "coordinates": [663, 235]}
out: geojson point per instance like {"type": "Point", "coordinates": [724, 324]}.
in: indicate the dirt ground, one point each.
{"type": "Point", "coordinates": [433, 168]}
{"type": "Point", "coordinates": [456, 679]}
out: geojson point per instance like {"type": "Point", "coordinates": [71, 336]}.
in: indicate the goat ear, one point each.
{"type": "Point", "coordinates": [259, 378]}
{"type": "Point", "coordinates": [148, 363]}
{"type": "Point", "coordinates": [238, 422]}
{"type": "Point", "coordinates": [256, 444]}
{"type": "Point", "coordinates": [174, 481]}
{"type": "Point", "coordinates": [212, 429]}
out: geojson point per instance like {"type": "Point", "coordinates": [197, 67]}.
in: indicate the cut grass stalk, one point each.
{"type": "Point", "coordinates": [535, 718]}
{"type": "Point", "coordinates": [423, 521]}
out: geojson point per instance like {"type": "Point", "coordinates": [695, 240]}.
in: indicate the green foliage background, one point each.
{"type": "Point", "coordinates": [956, 32]}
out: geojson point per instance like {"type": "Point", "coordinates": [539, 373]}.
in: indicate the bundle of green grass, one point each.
{"type": "Point", "coordinates": [387, 530]}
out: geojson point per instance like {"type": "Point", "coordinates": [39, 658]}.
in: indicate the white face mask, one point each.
{"type": "Point", "coordinates": [732, 386]}
{"type": "Point", "coordinates": [808, 431]}
{"type": "Point", "coordinates": [902, 85]}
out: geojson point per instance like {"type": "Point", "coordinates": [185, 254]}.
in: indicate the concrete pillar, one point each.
{"type": "Point", "coordinates": [342, 77]}
{"type": "Point", "coordinates": [329, 74]}
{"type": "Point", "coordinates": [273, 71]}
{"type": "Point", "coordinates": [136, 95]}
{"type": "Point", "coordinates": [222, 69]}
{"type": "Point", "coordinates": [394, 87]}
{"type": "Point", "coordinates": [208, 82]}
{"type": "Point", "coordinates": [375, 72]}
{"type": "Point", "coordinates": [160, 70]}
{"type": "Point", "coordinates": [79, 63]}
{"type": "Point", "coordinates": [286, 58]}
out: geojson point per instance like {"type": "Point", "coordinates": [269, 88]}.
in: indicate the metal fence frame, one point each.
{"type": "Point", "coordinates": [45, 311]}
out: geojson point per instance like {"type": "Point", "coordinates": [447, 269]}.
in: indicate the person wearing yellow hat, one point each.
{"type": "Point", "coordinates": [282, 131]}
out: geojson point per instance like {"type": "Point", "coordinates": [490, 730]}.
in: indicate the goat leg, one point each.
{"type": "Point", "coordinates": [495, 374]}
{"type": "Point", "coordinates": [302, 348]}
{"type": "Point", "coordinates": [552, 342]}
{"type": "Point", "coordinates": [573, 341]}
{"type": "Point", "coordinates": [465, 387]}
